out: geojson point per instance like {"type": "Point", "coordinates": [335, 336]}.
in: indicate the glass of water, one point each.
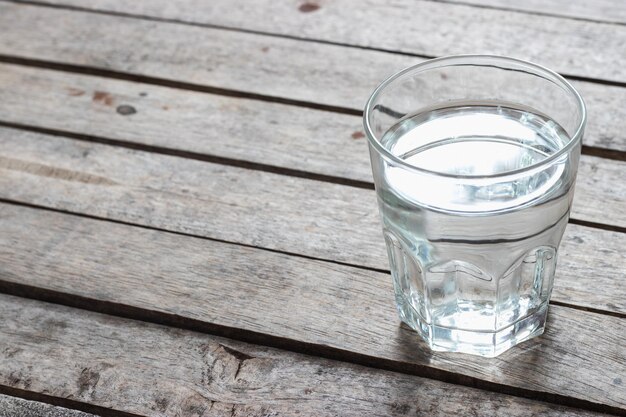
{"type": "Point", "coordinates": [474, 159]}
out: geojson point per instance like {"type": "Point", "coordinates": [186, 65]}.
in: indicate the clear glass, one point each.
{"type": "Point", "coordinates": [474, 160]}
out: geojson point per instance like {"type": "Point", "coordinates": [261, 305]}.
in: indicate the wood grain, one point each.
{"type": "Point", "coordinates": [200, 122]}
{"type": "Point", "coordinates": [612, 11]}
{"type": "Point", "coordinates": [152, 370]}
{"type": "Point", "coordinates": [207, 200]}
{"type": "Point", "coordinates": [288, 301]}
{"type": "Point", "coordinates": [12, 407]}
{"type": "Point", "coordinates": [285, 136]}
{"type": "Point", "coordinates": [573, 47]}
{"type": "Point", "coordinates": [597, 194]}
{"type": "Point", "coordinates": [318, 73]}
{"type": "Point", "coordinates": [294, 215]}
{"type": "Point", "coordinates": [328, 143]}
{"type": "Point", "coordinates": [196, 55]}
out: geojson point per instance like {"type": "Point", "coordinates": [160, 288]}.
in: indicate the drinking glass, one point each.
{"type": "Point", "coordinates": [474, 160]}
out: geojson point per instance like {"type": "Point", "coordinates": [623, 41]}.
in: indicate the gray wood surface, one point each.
{"type": "Point", "coordinates": [276, 135]}
{"type": "Point", "coordinates": [319, 73]}
{"type": "Point", "coordinates": [601, 10]}
{"type": "Point", "coordinates": [250, 207]}
{"type": "Point", "coordinates": [181, 275]}
{"type": "Point", "coordinates": [159, 371]}
{"type": "Point", "coordinates": [422, 27]}
{"type": "Point", "coordinates": [304, 304]}
{"type": "Point", "coordinates": [18, 407]}
{"type": "Point", "coordinates": [248, 130]}
{"type": "Point", "coordinates": [244, 62]}
{"type": "Point", "coordinates": [321, 142]}
{"type": "Point", "coordinates": [238, 289]}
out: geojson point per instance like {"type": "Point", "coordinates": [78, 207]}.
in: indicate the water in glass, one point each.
{"type": "Point", "coordinates": [451, 243]}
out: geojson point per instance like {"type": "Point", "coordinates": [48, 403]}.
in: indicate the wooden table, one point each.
{"type": "Point", "coordinates": [188, 225]}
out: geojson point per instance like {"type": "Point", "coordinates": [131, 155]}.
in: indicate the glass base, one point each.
{"type": "Point", "coordinates": [482, 343]}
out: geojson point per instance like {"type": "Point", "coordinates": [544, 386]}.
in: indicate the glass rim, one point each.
{"type": "Point", "coordinates": [449, 61]}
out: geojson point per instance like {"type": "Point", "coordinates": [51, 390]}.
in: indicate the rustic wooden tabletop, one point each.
{"type": "Point", "coordinates": [188, 225]}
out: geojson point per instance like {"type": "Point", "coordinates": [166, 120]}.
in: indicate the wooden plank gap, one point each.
{"type": "Point", "coordinates": [118, 75]}
{"type": "Point", "coordinates": [605, 153]}
{"type": "Point", "coordinates": [5, 286]}
{"type": "Point", "coordinates": [179, 233]}
{"type": "Point", "coordinates": [203, 157]}
{"type": "Point", "coordinates": [247, 336]}
{"type": "Point", "coordinates": [213, 26]}
{"type": "Point", "coordinates": [66, 403]}
{"type": "Point", "coordinates": [515, 7]}
{"type": "Point", "coordinates": [290, 36]}
{"type": "Point", "coordinates": [596, 225]}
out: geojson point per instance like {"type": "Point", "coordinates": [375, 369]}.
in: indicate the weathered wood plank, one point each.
{"type": "Point", "coordinates": [225, 59]}
{"type": "Point", "coordinates": [591, 258]}
{"type": "Point", "coordinates": [257, 64]}
{"type": "Point", "coordinates": [603, 117]}
{"type": "Point", "coordinates": [294, 215]}
{"type": "Point", "coordinates": [330, 143]}
{"type": "Point", "coordinates": [319, 73]}
{"type": "Point", "coordinates": [598, 197]}
{"type": "Point", "coordinates": [153, 370]}
{"type": "Point", "coordinates": [13, 407]}
{"type": "Point", "coordinates": [573, 47]}
{"type": "Point", "coordinates": [313, 305]}
{"type": "Point", "coordinates": [344, 77]}
{"type": "Point", "coordinates": [285, 136]}
{"type": "Point", "coordinates": [602, 10]}
{"type": "Point", "coordinates": [316, 141]}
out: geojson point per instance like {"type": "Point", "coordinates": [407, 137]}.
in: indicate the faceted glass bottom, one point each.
{"type": "Point", "coordinates": [458, 306]}
{"type": "Point", "coordinates": [483, 343]}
